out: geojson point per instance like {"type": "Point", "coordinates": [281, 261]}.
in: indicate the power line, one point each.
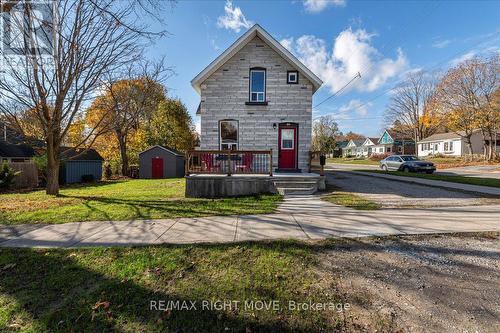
{"type": "Point", "coordinates": [358, 75]}
{"type": "Point", "coordinates": [428, 69]}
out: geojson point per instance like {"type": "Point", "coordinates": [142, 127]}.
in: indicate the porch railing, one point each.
{"type": "Point", "coordinates": [229, 162]}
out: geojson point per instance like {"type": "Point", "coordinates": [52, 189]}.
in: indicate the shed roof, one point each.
{"type": "Point", "coordinates": [168, 149]}
{"type": "Point", "coordinates": [16, 150]}
{"type": "Point", "coordinates": [80, 154]}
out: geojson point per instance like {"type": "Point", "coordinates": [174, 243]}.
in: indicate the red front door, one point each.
{"type": "Point", "coordinates": [287, 143]}
{"type": "Point", "coordinates": [157, 167]}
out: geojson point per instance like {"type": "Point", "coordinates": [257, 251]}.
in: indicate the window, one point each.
{"type": "Point", "coordinates": [292, 77]}
{"type": "Point", "coordinates": [228, 131]}
{"type": "Point", "coordinates": [436, 146]}
{"type": "Point", "coordinates": [287, 138]}
{"type": "Point", "coordinates": [388, 149]}
{"type": "Point", "coordinates": [257, 85]}
{"type": "Point", "coordinates": [448, 146]}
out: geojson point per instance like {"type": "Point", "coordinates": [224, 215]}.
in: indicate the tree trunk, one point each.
{"type": "Point", "coordinates": [469, 145]}
{"type": "Point", "coordinates": [123, 155]}
{"type": "Point", "coordinates": [52, 166]}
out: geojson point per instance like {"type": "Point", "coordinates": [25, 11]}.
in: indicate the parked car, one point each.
{"type": "Point", "coordinates": [406, 163]}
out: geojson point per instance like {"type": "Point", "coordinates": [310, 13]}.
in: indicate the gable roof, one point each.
{"type": "Point", "coordinates": [16, 150]}
{"type": "Point", "coordinates": [256, 30]}
{"type": "Point", "coordinates": [357, 142]}
{"type": "Point", "coordinates": [168, 149]}
{"type": "Point", "coordinates": [341, 144]}
{"type": "Point", "coordinates": [80, 154]}
{"type": "Point", "coordinates": [372, 140]}
{"type": "Point", "coordinates": [441, 136]}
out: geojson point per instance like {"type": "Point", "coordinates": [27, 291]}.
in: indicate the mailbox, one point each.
{"type": "Point", "coordinates": [322, 160]}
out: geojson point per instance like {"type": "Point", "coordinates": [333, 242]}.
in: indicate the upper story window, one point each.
{"type": "Point", "coordinates": [292, 77]}
{"type": "Point", "coordinates": [228, 132]}
{"type": "Point", "coordinates": [257, 85]}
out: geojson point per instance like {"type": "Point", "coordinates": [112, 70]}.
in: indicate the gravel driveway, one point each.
{"type": "Point", "coordinates": [439, 283]}
{"type": "Point", "coordinates": [391, 194]}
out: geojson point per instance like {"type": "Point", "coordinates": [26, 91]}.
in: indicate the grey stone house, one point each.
{"type": "Point", "coordinates": [258, 96]}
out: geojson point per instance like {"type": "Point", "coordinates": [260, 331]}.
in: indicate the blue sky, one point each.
{"type": "Point", "coordinates": [381, 39]}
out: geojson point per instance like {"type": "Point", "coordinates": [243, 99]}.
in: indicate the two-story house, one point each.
{"type": "Point", "coordinates": [258, 96]}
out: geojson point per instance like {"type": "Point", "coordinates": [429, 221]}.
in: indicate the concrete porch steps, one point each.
{"type": "Point", "coordinates": [296, 186]}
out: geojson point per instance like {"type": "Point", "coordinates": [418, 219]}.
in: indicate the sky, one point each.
{"type": "Point", "coordinates": [336, 39]}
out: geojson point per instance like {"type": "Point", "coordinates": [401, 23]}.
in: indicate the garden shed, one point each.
{"type": "Point", "coordinates": [80, 165]}
{"type": "Point", "coordinates": [161, 162]}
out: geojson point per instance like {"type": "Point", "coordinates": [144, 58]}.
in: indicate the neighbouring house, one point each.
{"type": "Point", "coordinates": [392, 142]}
{"type": "Point", "coordinates": [258, 96]}
{"type": "Point", "coordinates": [453, 144]}
{"type": "Point", "coordinates": [353, 148]}
{"type": "Point", "coordinates": [80, 165]}
{"type": "Point", "coordinates": [16, 152]}
{"type": "Point", "coordinates": [339, 146]}
{"type": "Point", "coordinates": [161, 162]}
{"type": "Point", "coordinates": [368, 146]}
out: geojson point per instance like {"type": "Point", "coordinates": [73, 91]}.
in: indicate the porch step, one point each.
{"type": "Point", "coordinates": [297, 190]}
{"type": "Point", "coordinates": [295, 183]}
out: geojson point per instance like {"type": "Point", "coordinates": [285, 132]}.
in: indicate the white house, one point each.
{"type": "Point", "coordinates": [258, 96]}
{"type": "Point", "coordinates": [367, 148]}
{"type": "Point", "coordinates": [353, 148]}
{"type": "Point", "coordinates": [452, 144]}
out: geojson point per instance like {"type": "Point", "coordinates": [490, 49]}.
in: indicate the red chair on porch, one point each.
{"type": "Point", "coordinates": [246, 162]}
{"type": "Point", "coordinates": [207, 161]}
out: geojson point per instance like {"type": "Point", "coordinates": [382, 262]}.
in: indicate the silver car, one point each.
{"type": "Point", "coordinates": [406, 163]}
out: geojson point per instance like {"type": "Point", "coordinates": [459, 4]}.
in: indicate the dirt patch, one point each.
{"type": "Point", "coordinates": [430, 283]}
{"type": "Point", "coordinates": [18, 204]}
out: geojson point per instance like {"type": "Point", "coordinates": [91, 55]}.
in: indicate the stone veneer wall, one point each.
{"type": "Point", "coordinates": [224, 93]}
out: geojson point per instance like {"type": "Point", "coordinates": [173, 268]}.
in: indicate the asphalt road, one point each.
{"type": "Point", "coordinates": [391, 194]}
{"type": "Point", "coordinates": [486, 171]}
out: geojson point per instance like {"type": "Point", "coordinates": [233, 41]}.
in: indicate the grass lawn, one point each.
{"type": "Point", "coordinates": [350, 200]}
{"type": "Point", "coordinates": [124, 200]}
{"type": "Point", "coordinates": [491, 182]}
{"type": "Point", "coordinates": [110, 289]}
{"type": "Point", "coordinates": [351, 160]}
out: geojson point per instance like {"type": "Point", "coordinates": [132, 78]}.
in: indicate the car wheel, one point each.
{"type": "Point", "coordinates": [429, 172]}
{"type": "Point", "coordinates": [406, 169]}
{"type": "Point", "coordinates": [384, 167]}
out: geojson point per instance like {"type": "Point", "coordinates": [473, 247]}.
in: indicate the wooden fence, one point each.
{"type": "Point", "coordinates": [28, 178]}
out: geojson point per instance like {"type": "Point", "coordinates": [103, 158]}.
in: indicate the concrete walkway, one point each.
{"type": "Point", "coordinates": [298, 218]}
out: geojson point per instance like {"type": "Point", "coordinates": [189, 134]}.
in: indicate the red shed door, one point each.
{"type": "Point", "coordinates": [287, 143]}
{"type": "Point", "coordinates": [157, 167]}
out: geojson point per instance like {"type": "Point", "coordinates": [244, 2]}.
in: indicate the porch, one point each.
{"type": "Point", "coordinates": [221, 173]}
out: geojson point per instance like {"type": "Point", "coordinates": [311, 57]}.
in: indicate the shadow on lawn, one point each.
{"type": "Point", "coordinates": [181, 208]}
{"type": "Point", "coordinates": [58, 294]}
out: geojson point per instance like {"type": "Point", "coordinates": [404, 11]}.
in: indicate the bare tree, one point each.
{"type": "Point", "coordinates": [465, 96]}
{"type": "Point", "coordinates": [325, 130]}
{"type": "Point", "coordinates": [65, 58]}
{"type": "Point", "coordinates": [409, 107]}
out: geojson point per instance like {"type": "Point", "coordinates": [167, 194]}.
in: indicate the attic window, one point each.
{"type": "Point", "coordinates": [292, 77]}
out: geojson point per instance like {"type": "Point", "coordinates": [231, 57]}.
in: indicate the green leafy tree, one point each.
{"type": "Point", "coordinates": [7, 175]}
{"type": "Point", "coordinates": [172, 126]}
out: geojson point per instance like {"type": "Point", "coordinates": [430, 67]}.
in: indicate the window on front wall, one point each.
{"type": "Point", "coordinates": [257, 85]}
{"type": "Point", "coordinates": [228, 131]}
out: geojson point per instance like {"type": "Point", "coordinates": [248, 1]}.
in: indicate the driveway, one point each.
{"type": "Point", "coordinates": [394, 194]}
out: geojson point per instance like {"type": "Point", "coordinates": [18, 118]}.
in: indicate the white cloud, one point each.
{"type": "Point", "coordinates": [316, 6]}
{"type": "Point", "coordinates": [355, 106]}
{"type": "Point", "coordinates": [464, 57]}
{"type": "Point", "coordinates": [441, 44]}
{"type": "Point", "coordinates": [352, 53]}
{"type": "Point", "coordinates": [234, 19]}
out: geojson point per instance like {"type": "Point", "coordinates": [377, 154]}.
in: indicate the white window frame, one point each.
{"type": "Point", "coordinates": [230, 144]}
{"type": "Point", "coordinates": [296, 74]}
{"type": "Point", "coordinates": [259, 93]}
{"type": "Point", "coordinates": [293, 138]}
